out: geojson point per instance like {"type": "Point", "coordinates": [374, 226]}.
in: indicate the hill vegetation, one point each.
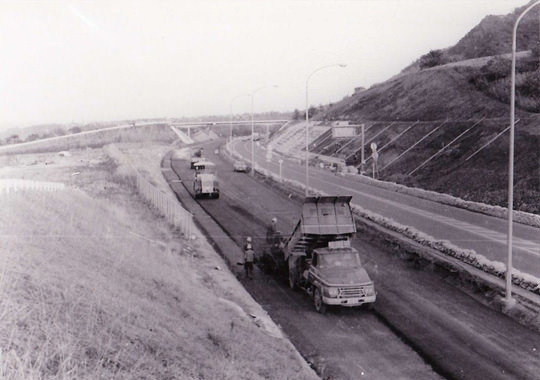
{"type": "Point", "coordinates": [445, 107]}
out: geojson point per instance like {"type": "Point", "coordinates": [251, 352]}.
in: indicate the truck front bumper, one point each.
{"type": "Point", "coordinates": [350, 302]}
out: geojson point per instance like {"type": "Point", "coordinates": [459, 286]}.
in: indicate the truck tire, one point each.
{"type": "Point", "coordinates": [320, 306]}
{"type": "Point", "coordinates": [368, 306]}
{"type": "Point", "coordinates": [292, 280]}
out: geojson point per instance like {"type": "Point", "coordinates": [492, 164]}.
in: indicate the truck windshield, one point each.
{"type": "Point", "coordinates": [349, 259]}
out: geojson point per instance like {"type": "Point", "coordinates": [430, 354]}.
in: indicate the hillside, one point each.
{"type": "Point", "coordinates": [432, 117]}
{"type": "Point", "coordinates": [94, 284]}
{"type": "Point", "coordinates": [493, 35]}
{"type": "Point", "coordinates": [431, 94]}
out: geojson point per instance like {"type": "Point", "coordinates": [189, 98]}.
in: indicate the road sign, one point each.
{"type": "Point", "coordinates": [373, 146]}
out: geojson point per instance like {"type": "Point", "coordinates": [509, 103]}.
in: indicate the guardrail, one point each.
{"type": "Point", "coordinates": [167, 205]}
{"type": "Point", "coordinates": [13, 185]}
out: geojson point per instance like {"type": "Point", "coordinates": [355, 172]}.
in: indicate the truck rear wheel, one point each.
{"type": "Point", "coordinates": [320, 306]}
{"type": "Point", "coordinates": [292, 280]}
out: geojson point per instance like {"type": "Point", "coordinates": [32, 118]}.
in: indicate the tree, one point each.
{"type": "Point", "coordinates": [296, 115]}
{"type": "Point", "coordinates": [32, 137]}
{"type": "Point", "coordinates": [13, 139]}
{"type": "Point", "coordinates": [75, 130]}
{"type": "Point", "coordinates": [59, 132]}
{"type": "Point", "coordinates": [432, 59]}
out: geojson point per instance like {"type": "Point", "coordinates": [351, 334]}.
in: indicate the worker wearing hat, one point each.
{"type": "Point", "coordinates": [273, 225]}
{"type": "Point", "coordinates": [249, 256]}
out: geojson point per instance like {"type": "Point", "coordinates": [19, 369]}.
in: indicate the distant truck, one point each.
{"type": "Point", "coordinates": [318, 256]}
{"type": "Point", "coordinates": [206, 183]}
{"type": "Point", "coordinates": [195, 157]}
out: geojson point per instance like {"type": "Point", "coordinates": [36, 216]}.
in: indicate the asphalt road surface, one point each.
{"type": "Point", "coordinates": [470, 230]}
{"type": "Point", "coordinates": [422, 327]}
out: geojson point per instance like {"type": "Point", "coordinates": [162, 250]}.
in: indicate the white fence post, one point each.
{"type": "Point", "coordinates": [14, 185]}
{"type": "Point", "coordinates": [165, 204]}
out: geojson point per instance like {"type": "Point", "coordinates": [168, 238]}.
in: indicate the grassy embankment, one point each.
{"type": "Point", "coordinates": [94, 284]}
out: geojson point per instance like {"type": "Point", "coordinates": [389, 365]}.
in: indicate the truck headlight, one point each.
{"type": "Point", "coordinates": [370, 290]}
{"type": "Point", "coordinates": [332, 292]}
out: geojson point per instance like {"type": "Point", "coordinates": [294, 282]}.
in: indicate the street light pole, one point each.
{"type": "Point", "coordinates": [508, 297]}
{"type": "Point", "coordinates": [253, 127]}
{"type": "Point", "coordinates": [307, 119]}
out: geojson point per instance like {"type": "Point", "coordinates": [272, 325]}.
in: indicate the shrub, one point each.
{"type": "Point", "coordinates": [432, 59]}
{"type": "Point", "coordinates": [496, 68]}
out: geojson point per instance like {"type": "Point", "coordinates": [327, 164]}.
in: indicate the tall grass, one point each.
{"type": "Point", "coordinates": [89, 290]}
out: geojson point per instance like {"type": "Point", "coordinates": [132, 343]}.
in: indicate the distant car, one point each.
{"type": "Point", "coordinates": [240, 166]}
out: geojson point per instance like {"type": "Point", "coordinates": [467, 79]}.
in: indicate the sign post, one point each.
{"type": "Point", "coordinates": [363, 157]}
{"type": "Point", "coordinates": [375, 157]}
{"type": "Point", "coordinates": [269, 153]}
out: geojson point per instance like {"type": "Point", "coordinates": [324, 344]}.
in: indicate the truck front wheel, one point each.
{"type": "Point", "coordinates": [320, 306]}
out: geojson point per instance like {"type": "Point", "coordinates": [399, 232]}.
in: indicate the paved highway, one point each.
{"type": "Point", "coordinates": [470, 230]}
{"type": "Point", "coordinates": [422, 322]}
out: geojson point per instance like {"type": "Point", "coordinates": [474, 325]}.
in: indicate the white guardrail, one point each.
{"type": "Point", "coordinates": [167, 205]}
{"type": "Point", "coordinates": [13, 185]}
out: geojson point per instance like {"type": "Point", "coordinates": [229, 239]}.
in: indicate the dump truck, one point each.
{"type": "Point", "coordinates": [318, 256]}
{"type": "Point", "coordinates": [206, 183]}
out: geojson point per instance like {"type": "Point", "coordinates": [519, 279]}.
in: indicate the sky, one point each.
{"type": "Point", "coordinates": [88, 61]}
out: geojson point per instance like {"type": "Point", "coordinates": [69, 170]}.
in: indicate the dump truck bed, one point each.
{"type": "Point", "coordinates": [323, 219]}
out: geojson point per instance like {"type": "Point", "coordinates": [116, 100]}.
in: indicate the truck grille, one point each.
{"type": "Point", "coordinates": [352, 292]}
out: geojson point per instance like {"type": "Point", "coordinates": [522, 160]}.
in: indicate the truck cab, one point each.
{"type": "Point", "coordinates": [320, 258]}
{"type": "Point", "coordinates": [336, 277]}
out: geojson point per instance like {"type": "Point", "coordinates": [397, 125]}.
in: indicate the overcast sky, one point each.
{"type": "Point", "coordinates": [82, 61]}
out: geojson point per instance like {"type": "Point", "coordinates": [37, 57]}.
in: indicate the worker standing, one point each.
{"type": "Point", "coordinates": [248, 242]}
{"type": "Point", "coordinates": [271, 231]}
{"type": "Point", "coordinates": [273, 225]}
{"type": "Point", "coordinates": [248, 258]}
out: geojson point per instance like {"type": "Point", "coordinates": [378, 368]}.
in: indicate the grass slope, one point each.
{"type": "Point", "coordinates": [432, 94]}
{"type": "Point", "coordinates": [94, 288]}
{"type": "Point", "coordinates": [470, 81]}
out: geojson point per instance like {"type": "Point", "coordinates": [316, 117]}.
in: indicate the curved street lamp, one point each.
{"type": "Point", "coordinates": [253, 128]}
{"type": "Point", "coordinates": [508, 297]}
{"type": "Point", "coordinates": [307, 118]}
